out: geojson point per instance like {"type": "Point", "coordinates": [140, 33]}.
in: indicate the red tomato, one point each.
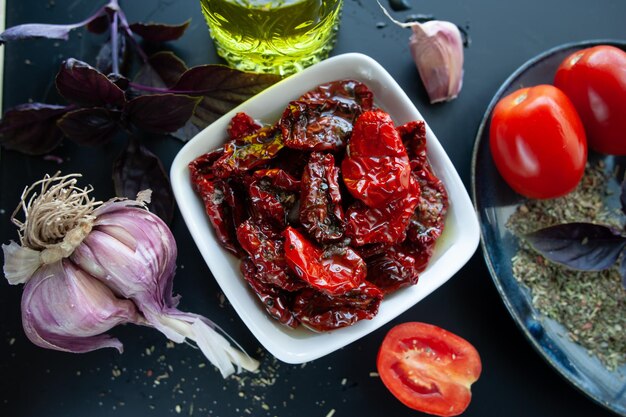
{"type": "Point", "coordinates": [333, 273]}
{"type": "Point", "coordinates": [595, 80]}
{"type": "Point", "coordinates": [538, 142]}
{"type": "Point", "coordinates": [428, 368]}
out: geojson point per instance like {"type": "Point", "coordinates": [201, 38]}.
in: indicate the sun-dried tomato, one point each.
{"type": "Point", "coordinates": [346, 91]}
{"type": "Point", "coordinates": [215, 195]}
{"type": "Point", "coordinates": [393, 269]}
{"type": "Point", "coordinates": [265, 248]}
{"type": "Point", "coordinates": [276, 302]}
{"type": "Point", "coordinates": [413, 136]}
{"type": "Point", "coordinates": [272, 193]}
{"type": "Point", "coordinates": [274, 198]}
{"type": "Point", "coordinates": [278, 178]}
{"type": "Point", "coordinates": [221, 200]}
{"type": "Point", "coordinates": [317, 125]}
{"type": "Point", "coordinates": [292, 161]}
{"type": "Point", "coordinates": [201, 169]}
{"type": "Point", "coordinates": [427, 222]}
{"type": "Point", "coordinates": [243, 154]}
{"type": "Point", "coordinates": [376, 168]}
{"type": "Point", "coordinates": [321, 213]}
{"type": "Point", "coordinates": [242, 125]}
{"type": "Point", "coordinates": [369, 251]}
{"type": "Point", "coordinates": [333, 273]}
{"type": "Point", "coordinates": [321, 312]}
{"type": "Point", "coordinates": [387, 224]}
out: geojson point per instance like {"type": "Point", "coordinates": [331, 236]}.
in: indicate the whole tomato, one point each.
{"type": "Point", "coordinates": [594, 79]}
{"type": "Point", "coordinates": [538, 142]}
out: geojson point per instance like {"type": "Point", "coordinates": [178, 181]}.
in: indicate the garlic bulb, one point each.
{"type": "Point", "coordinates": [108, 263]}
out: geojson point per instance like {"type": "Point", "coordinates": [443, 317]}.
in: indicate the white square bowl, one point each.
{"type": "Point", "coordinates": [457, 244]}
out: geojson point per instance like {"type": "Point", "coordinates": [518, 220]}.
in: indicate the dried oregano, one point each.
{"type": "Point", "coordinates": [590, 305]}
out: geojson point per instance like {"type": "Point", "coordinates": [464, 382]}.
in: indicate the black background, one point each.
{"type": "Point", "coordinates": [153, 378]}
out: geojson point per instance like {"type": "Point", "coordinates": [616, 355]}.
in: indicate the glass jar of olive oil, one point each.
{"type": "Point", "coordinates": [272, 36]}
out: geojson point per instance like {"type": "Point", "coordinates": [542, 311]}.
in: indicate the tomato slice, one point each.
{"type": "Point", "coordinates": [428, 368]}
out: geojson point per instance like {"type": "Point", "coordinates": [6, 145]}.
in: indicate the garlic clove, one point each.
{"type": "Point", "coordinates": [63, 308]}
{"type": "Point", "coordinates": [437, 49]}
{"type": "Point", "coordinates": [142, 269]}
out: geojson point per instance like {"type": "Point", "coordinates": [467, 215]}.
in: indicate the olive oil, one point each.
{"type": "Point", "coordinates": [272, 36]}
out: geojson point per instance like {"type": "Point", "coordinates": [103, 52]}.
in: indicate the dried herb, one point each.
{"type": "Point", "coordinates": [165, 97]}
{"type": "Point", "coordinates": [591, 305]}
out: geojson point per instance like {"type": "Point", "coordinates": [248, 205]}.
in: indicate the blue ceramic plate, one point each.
{"type": "Point", "coordinates": [495, 201]}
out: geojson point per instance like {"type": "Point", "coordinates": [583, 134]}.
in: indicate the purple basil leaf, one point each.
{"type": "Point", "coordinates": [119, 80]}
{"type": "Point", "coordinates": [160, 113]}
{"type": "Point", "coordinates": [104, 59]}
{"type": "Point", "coordinates": [99, 25]}
{"type": "Point", "coordinates": [137, 169]}
{"type": "Point", "coordinates": [44, 30]}
{"type": "Point", "coordinates": [93, 126]}
{"type": "Point", "coordinates": [38, 30]}
{"type": "Point", "coordinates": [148, 81]}
{"type": "Point", "coordinates": [81, 83]}
{"type": "Point", "coordinates": [221, 88]}
{"type": "Point", "coordinates": [159, 32]}
{"type": "Point", "coordinates": [162, 70]}
{"type": "Point", "coordinates": [31, 128]}
{"type": "Point", "coordinates": [582, 246]}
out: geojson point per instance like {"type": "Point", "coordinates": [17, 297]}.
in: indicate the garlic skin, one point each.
{"type": "Point", "coordinates": [437, 49]}
{"type": "Point", "coordinates": [65, 309]}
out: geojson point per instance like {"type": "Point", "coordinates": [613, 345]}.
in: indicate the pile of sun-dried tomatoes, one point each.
{"type": "Point", "coordinates": [329, 209]}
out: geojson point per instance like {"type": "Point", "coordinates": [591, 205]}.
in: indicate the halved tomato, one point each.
{"type": "Point", "coordinates": [428, 368]}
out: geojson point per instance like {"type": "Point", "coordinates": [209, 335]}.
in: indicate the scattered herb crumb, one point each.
{"type": "Point", "coordinates": [374, 374]}
{"type": "Point", "coordinates": [590, 305]}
